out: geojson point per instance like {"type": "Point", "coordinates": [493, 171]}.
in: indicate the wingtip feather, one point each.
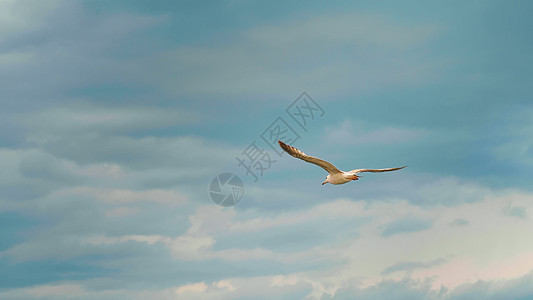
{"type": "Point", "coordinates": [284, 146]}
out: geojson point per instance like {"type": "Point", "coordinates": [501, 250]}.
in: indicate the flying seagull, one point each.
{"type": "Point", "coordinates": [335, 176]}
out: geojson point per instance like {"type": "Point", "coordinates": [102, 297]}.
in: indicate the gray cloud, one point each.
{"type": "Point", "coordinates": [80, 214]}
{"type": "Point", "coordinates": [406, 225]}
{"type": "Point", "coordinates": [87, 133]}
{"type": "Point", "coordinates": [143, 153]}
{"type": "Point", "coordinates": [27, 174]}
{"type": "Point", "coordinates": [52, 49]}
{"type": "Point", "coordinates": [41, 165]}
{"type": "Point", "coordinates": [345, 134]}
{"type": "Point", "coordinates": [86, 117]}
{"type": "Point", "coordinates": [390, 289]}
{"type": "Point", "coordinates": [515, 289]}
{"type": "Point", "coordinates": [413, 265]}
{"type": "Point", "coordinates": [255, 61]}
{"type": "Point", "coordinates": [459, 222]}
{"type": "Point", "coordinates": [515, 211]}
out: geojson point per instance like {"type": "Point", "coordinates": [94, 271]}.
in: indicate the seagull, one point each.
{"type": "Point", "coordinates": [335, 176]}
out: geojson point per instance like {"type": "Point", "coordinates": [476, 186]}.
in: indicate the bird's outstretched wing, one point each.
{"type": "Point", "coordinates": [375, 170]}
{"type": "Point", "coordinates": [310, 159]}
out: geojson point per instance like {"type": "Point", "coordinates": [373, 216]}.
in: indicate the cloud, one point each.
{"type": "Point", "coordinates": [285, 287]}
{"type": "Point", "coordinates": [91, 134]}
{"type": "Point", "coordinates": [459, 222]}
{"type": "Point", "coordinates": [406, 225]}
{"type": "Point", "coordinates": [192, 288]}
{"type": "Point", "coordinates": [30, 173]}
{"type": "Point", "coordinates": [265, 56]}
{"type": "Point", "coordinates": [449, 191]}
{"type": "Point", "coordinates": [125, 196]}
{"type": "Point", "coordinates": [515, 211]}
{"type": "Point", "coordinates": [81, 52]}
{"type": "Point", "coordinates": [109, 144]}
{"type": "Point", "coordinates": [51, 291]}
{"type": "Point", "coordinates": [144, 153]}
{"type": "Point", "coordinates": [58, 121]}
{"type": "Point", "coordinates": [22, 16]}
{"type": "Point", "coordinates": [76, 216]}
{"type": "Point", "coordinates": [515, 138]}
{"type": "Point", "coordinates": [197, 243]}
{"type": "Point", "coordinates": [349, 264]}
{"type": "Point", "coordinates": [412, 265]}
{"type": "Point", "coordinates": [63, 48]}
{"type": "Point", "coordinates": [345, 134]}
{"type": "Point", "coordinates": [122, 211]}
{"type": "Point", "coordinates": [515, 289]}
{"type": "Point", "coordinates": [346, 28]}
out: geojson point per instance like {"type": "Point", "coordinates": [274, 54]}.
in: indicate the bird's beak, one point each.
{"type": "Point", "coordinates": [324, 182]}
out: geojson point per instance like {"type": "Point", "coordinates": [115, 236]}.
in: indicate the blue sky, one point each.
{"type": "Point", "coordinates": [116, 115]}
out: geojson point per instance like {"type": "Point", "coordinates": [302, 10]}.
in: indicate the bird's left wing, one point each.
{"type": "Point", "coordinates": [330, 168]}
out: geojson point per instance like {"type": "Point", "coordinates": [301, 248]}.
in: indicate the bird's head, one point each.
{"type": "Point", "coordinates": [326, 181]}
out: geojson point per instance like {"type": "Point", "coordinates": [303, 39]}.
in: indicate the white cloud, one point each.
{"type": "Point", "coordinates": [192, 288]}
{"type": "Point", "coordinates": [141, 153]}
{"type": "Point", "coordinates": [295, 286]}
{"type": "Point", "coordinates": [347, 134]}
{"type": "Point", "coordinates": [124, 196]}
{"type": "Point", "coordinates": [20, 16]}
{"type": "Point", "coordinates": [449, 191]}
{"type": "Point", "coordinates": [490, 247]}
{"type": "Point", "coordinates": [331, 210]}
{"type": "Point", "coordinates": [59, 121]}
{"type": "Point", "coordinates": [475, 251]}
{"type": "Point", "coordinates": [346, 28]}
{"type": "Point", "coordinates": [443, 259]}
{"type": "Point", "coordinates": [32, 173]}
{"type": "Point", "coordinates": [96, 240]}
{"type": "Point", "coordinates": [488, 239]}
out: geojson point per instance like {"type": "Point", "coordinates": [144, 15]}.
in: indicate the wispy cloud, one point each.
{"type": "Point", "coordinates": [104, 120]}
{"type": "Point", "coordinates": [250, 63]}
{"type": "Point", "coordinates": [405, 226]}
{"type": "Point", "coordinates": [515, 211]}
{"type": "Point", "coordinates": [459, 222]}
{"type": "Point", "coordinates": [348, 133]}
{"type": "Point", "coordinates": [413, 265]}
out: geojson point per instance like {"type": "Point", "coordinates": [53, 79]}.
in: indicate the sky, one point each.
{"type": "Point", "coordinates": [116, 116]}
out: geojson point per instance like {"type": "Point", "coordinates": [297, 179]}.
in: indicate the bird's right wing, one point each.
{"type": "Point", "coordinates": [310, 159]}
{"type": "Point", "coordinates": [375, 170]}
